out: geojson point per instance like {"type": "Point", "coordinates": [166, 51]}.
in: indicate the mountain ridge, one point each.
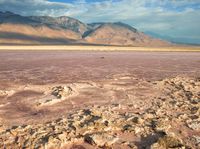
{"type": "Point", "coordinates": [71, 31]}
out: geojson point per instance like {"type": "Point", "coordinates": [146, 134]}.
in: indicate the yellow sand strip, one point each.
{"type": "Point", "coordinates": [100, 48]}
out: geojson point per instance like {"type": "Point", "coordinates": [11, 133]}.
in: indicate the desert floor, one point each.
{"type": "Point", "coordinates": [173, 48]}
{"type": "Point", "coordinates": [99, 99]}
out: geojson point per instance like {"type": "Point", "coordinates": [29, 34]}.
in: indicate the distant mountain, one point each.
{"type": "Point", "coordinates": [179, 40]}
{"type": "Point", "coordinates": [11, 18]}
{"type": "Point", "coordinates": [17, 29]}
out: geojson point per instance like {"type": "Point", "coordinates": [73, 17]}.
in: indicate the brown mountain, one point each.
{"type": "Point", "coordinates": [120, 34]}
{"type": "Point", "coordinates": [16, 29]}
{"type": "Point", "coordinates": [26, 34]}
{"type": "Point", "coordinates": [62, 22]}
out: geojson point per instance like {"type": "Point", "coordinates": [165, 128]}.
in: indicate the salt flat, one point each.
{"type": "Point", "coordinates": [71, 99]}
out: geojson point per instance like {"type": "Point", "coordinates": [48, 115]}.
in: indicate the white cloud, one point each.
{"type": "Point", "coordinates": [176, 18]}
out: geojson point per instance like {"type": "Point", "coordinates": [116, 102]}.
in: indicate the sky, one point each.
{"type": "Point", "coordinates": [176, 20]}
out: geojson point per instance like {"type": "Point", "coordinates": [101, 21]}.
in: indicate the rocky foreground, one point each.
{"type": "Point", "coordinates": [170, 119]}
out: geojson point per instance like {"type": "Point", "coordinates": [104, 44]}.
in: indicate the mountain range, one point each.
{"type": "Point", "coordinates": [40, 30]}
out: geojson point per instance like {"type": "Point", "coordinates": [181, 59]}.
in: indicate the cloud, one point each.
{"type": "Point", "coordinates": [174, 18]}
{"type": "Point", "coordinates": [34, 7]}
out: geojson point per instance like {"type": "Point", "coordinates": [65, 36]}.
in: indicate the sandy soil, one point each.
{"type": "Point", "coordinates": [77, 99]}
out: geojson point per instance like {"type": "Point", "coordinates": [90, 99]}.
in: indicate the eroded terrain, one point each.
{"type": "Point", "coordinates": [59, 99]}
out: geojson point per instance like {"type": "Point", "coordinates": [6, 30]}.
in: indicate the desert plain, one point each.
{"type": "Point", "coordinates": [85, 99]}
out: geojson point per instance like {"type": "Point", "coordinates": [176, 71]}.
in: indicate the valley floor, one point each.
{"type": "Point", "coordinates": [172, 48]}
{"type": "Point", "coordinates": [99, 99]}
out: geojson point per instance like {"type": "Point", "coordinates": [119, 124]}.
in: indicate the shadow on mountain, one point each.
{"type": "Point", "coordinates": [41, 40]}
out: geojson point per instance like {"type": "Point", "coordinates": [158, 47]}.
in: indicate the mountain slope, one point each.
{"type": "Point", "coordinates": [26, 34]}
{"type": "Point", "coordinates": [11, 18]}
{"type": "Point", "coordinates": [62, 22]}
{"type": "Point", "coordinates": [120, 34]}
{"type": "Point", "coordinates": [16, 29]}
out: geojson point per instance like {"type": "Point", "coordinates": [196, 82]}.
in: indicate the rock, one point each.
{"type": "Point", "coordinates": [197, 138]}
{"type": "Point", "coordinates": [3, 93]}
{"type": "Point", "coordinates": [53, 142]}
{"type": "Point", "coordinates": [161, 125]}
{"type": "Point", "coordinates": [6, 93]}
{"type": "Point", "coordinates": [182, 116]}
{"type": "Point", "coordinates": [148, 116]}
{"type": "Point", "coordinates": [194, 110]}
{"type": "Point", "coordinates": [77, 147]}
{"type": "Point", "coordinates": [128, 128]}
{"type": "Point", "coordinates": [62, 137]}
{"type": "Point", "coordinates": [135, 119]}
{"type": "Point", "coordinates": [101, 139]}
{"type": "Point", "coordinates": [138, 129]}
{"type": "Point", "coordinates": [130, 144]}
{"type": "Point", "coordinates": [62, 91]}
{"type": "Point", "coordinates": [167, 142]}
{"type": "Point", "coordinates": [195, 101]}
{"type": "Point", "coordinates": [195, 125]}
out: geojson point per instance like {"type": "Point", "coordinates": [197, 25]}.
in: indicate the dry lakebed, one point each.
{"type": "Point", "coordinates": [99, 99]}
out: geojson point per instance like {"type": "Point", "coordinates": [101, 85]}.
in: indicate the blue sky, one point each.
{"type": "Point", "coordinates": [172, 19]}
{"type": "Point", "coordinates": [74, 1]}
